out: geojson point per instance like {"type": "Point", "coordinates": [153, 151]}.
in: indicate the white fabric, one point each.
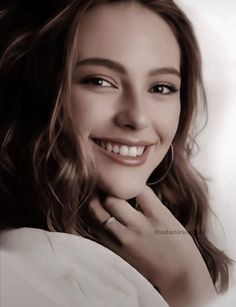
{"type": "Point", "coordinates": [51, 269]}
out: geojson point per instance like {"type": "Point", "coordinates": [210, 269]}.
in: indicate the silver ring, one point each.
{"type": "Point", "coordinates": [108, 221]}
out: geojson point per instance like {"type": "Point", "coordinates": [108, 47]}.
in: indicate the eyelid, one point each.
{"type": "Point", "coordinates": [91, 77]}
{"type": "Point", "coordinates": [170, 86]}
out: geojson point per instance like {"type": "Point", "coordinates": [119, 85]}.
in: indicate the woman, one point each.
{"type": "Point", "coordinates": [97, 102]}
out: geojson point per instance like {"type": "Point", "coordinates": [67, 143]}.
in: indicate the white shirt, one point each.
{"type": "Point", "coordinates": [50, 269]}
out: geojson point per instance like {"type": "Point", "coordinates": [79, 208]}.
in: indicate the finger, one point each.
{"type": "Point", "coordinates": [97, 211]}
{"type": "Point", "coordinates": [123, 212]}
{"type": "Point", "coordinates": [104, 219]}
{"type": "Point", "coordinates": [150, 203]}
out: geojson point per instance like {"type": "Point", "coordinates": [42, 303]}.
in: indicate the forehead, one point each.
{"type": "Point", "coordinates": [129, 33]}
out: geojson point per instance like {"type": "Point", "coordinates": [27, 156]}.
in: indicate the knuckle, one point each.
{"type": "Point", "coordinates": [110, 202]}
{"type": "Point", "coordinates": [152, 223]}
{"type": "Point", "coordinates": [129, 241]}
{"type": "Point", "coordinates": [155, 218]}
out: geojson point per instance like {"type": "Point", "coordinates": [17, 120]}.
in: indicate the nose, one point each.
{"type": "Point", "coordinates": [132, 113]}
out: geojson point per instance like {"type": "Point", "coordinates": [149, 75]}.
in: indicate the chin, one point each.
{"type": "Point", "coordinates": [122, 191]}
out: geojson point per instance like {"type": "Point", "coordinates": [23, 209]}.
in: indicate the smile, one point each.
{"type": "Point", "coordinates": [122, 151]}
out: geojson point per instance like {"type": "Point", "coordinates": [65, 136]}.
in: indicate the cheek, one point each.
{"type": "Point", "coordinates": [88, 113]}
{"type": "Point", "coordinates": [174, 121]}
{"type": "Point", "coordinates": [166, 120]}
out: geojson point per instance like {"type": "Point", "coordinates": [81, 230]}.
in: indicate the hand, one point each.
{"type": "Point", "coordinates": [172, 262]}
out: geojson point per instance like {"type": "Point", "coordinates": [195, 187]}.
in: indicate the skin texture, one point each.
{"type": "Point", "coordinates": [170, 262]}
{"type": "Point", "coordinates": [125, 106]}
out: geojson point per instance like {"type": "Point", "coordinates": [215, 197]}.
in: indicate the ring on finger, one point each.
{"type": "Point", "coordinates": [108, 221]}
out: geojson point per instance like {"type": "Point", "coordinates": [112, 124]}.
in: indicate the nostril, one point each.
{"type": "Point", "coordinates": [132, 120]}
{"type": "Point", "coordinates": [129, 126]}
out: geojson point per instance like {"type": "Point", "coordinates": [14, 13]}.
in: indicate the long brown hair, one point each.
{"type": "Point", "coordinates": [46, 178]}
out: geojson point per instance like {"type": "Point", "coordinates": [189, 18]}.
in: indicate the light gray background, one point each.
{"type": "Point", "coordinates": [215, 24]}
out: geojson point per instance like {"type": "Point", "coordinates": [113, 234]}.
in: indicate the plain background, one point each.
{"type": "Point", "coordinates": [215, 25]}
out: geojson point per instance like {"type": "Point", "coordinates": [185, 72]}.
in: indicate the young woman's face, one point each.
{"type": "Point", "coordinates": [125, 94]}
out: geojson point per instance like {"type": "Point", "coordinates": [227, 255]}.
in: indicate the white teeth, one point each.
{"type": "Point", "coordinates": [109, 147]}
{"type": "Point", "coordinates": [123, 150]}
{"type": "Point", "coordinates": [116, 149]}
{"type": "Point", "coordinates": [140, 150]}
{"type": "Point", "coordinates": [133, 151]}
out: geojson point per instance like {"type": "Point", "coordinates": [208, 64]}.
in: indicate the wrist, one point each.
{"type": "Point", "coordinates": [189, 289]}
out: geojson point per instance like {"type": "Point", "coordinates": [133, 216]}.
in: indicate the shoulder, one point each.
{"type": "Point", "coordinates": [69, 270]}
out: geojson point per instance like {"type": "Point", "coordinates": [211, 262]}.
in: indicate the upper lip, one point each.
{"type": "Point", "coordinates": [122, 141]}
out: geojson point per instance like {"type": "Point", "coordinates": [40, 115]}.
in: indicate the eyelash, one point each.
{"type": "Point", "coordinates": [171, 88]}
{"type": "Point", "coordinates": [89, 80]}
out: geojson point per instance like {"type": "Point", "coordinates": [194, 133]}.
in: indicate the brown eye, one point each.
{"type": "Point", "coordinates": [97, 82]}
{"type": "Point", "coordinates": [163, 89]}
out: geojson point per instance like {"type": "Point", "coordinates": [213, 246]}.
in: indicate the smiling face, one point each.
{"type": "Point", "coordinates": [125, 93]}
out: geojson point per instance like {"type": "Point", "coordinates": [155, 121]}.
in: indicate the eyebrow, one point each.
{"type": "Point", "coordinates": [113, 65]}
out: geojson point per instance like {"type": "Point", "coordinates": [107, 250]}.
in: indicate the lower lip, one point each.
{"type": "Point", "coordinates": [125, 160]}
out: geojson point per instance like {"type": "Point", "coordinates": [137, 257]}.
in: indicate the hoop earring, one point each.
{"type": "Point", "coordinates": [169, 161]}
